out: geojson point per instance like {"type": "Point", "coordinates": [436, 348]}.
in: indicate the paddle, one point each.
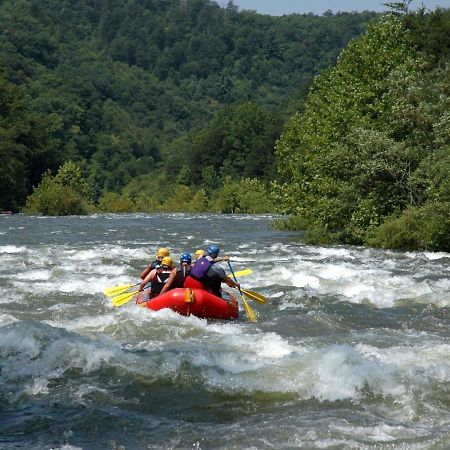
{"type": "Point", "coordinates": [254, 296]}
{"type": "Point", "coordinates": [116, 290]}
{"type": "Point", "coordinates": [120, 300]}
{"type": "Point", "coordinates": [243, 273]}
{"type": "Point", "coordinates": [250, 314]}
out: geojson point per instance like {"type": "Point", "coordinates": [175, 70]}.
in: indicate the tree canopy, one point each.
{"type": "Point", "coordinates": [116, 85]}
{"type": "Point", "coordinates": [372, 145]}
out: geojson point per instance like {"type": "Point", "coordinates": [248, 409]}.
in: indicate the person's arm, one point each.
{"type": "Point", "coordinates": [221, 258]}
{"type": "Point", "coordinates": [146, 271]}
{"type": "Point", "coordinates": [169, 281]}
{"type": "Point", "coordinates": [147, 280]}
{"type": "Point", "coordinates": [230, 282]}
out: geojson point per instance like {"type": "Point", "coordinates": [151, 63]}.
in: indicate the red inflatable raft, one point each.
{"type": "Point", "coordinates": [197, 302]}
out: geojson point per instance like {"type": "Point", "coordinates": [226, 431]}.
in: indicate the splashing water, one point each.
{"type": "Point", "coordinates": [351, 350]}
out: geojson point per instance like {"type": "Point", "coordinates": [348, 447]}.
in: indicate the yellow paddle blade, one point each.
{"type": "Point", "coordinates": [254, 296]}
{"type": "Point", "coordinates": [249, 311]}
{"type": "Point", "coordinates": [123, 298]}
{"type": "Point", "coordinates": [116, 290]}
{"type": "Point", "coordinates": [243, 273]}
{"type": "Point", "coordinates": [250, 314]}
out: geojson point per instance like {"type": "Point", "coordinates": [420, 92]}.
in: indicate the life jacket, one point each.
{"type": "Point", "coordinates": [155, 264]}
{"type": "Point", "coordinates": [198, 272]}
{"type": "Point", "coordinates": [178, 281]}
{"type": "Point", "coordinates": [159, 280]}
{"type": "Point", "coordinates": [214, 284]}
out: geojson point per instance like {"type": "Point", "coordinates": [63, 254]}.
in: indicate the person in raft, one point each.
{"type": "Point", "coordinates": [207, 275]}
{"type": "Point", "coordinates": [182, 273]}
{"type": "Point", "coordinates": [160, 278]}
{"type": "Point", "coordinates": [163, 251]}
{"type": "Point", "coordinates": [199, 253]}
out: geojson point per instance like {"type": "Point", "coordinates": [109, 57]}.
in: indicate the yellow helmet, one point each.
{"type": "Point", "coordinates": [167, 261]}
{"type": "Point", "coordinates": [199, 253]}
{"type": "Point", "coordinates": [163, 251]}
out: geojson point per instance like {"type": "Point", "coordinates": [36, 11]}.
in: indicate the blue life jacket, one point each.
{"type": "Point", "coordinates": [200, 268]}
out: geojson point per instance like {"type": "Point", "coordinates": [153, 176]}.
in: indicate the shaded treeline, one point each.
{"type": "Point", "coordinates": [368, 161]}
{"type": "Point", "coordinates": [146, 96]}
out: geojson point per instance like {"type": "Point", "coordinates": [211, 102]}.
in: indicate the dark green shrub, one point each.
{"type": "Point", "coordinates": [61, 195]}
{"type": "Point", "coordinates": [290, 223]}
{"type": "Point", "coordinates": [423, 228]}
{"type": "Point", "coordinates": [115, 203]}
{"type": "Point", "coordinates": [246, 196]}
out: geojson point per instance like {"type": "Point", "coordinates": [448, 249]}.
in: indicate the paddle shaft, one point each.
{"type": "Point", "coordinates": [250, 314]}
{"type": "Point", "coordinates": [254, 296]}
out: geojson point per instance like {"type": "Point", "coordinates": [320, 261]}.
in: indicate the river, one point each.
{"type": "Point", "coordinates": [352, 349]}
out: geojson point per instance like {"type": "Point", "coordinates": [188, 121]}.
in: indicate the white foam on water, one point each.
{"type": "Point", "coordinates": [270, 364]}
{"type": "Point", "coordinates": [71, 286]}
{"type": "Point", "coordinates": [33, 275]}
{"type": "Point", "coordinates": [38, 386]}
{"type": "Point", "coordinates": [67, 447]}
{"type": "Point", "coordinates": [431, 359]}
{"type": "Point", "coordinates": [431, 256]}
{"type": "Point", "coordinates": [5, 319]}
{"type": "Point", "coordinates": [357, 283]}
{"type": "Point", "coordinates": [334, 271]}
{"type": "Point", "coordinates": [298, 279]}
{"type": "Point", "coordinates": [339, 372]}
{"type": "Point", "coordinates": [180, 325]}
{"type": "Point", "coordinates": [98, 323]}
{"type": "Point", "coordinates": [379, 433]}
{"type": "Point", "coordinates": [277, 294]}
{"type": "Point", "coordinates": [79, 284]}
{"type": "Point", "coordinates": [239, 357]}
{"type": "Point", "coordinates": [289, 305]}
{"type": "Point", "coordinates": [91, 267]}
{"type": "Point", "coordinates": [83, 255]}
{"type": "Point", "coordinates": [436, 255]}
{"type": "Point", "coordinates": [301, 280]}
{"type": "Point", "coordinates": [12, 341]}
{"type": "Point", "coordinates": [328, 443]}
{"type": "Point", "coordinates": [12, 249]}
{"type": "Point", "coordinates": [330, 251]}
{"type": "Point", "coordinates": [38, 356]}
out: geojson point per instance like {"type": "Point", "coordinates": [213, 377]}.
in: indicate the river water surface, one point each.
{"type": "Point", "coordinates": [352, 349]}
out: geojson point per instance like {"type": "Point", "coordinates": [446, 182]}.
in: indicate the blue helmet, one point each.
{"type": "Point", "coordinates": [213, 250]}
{"type": "Point", "coordinates": [185, 257]}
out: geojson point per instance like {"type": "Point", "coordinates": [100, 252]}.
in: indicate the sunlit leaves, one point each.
{"type": "Point", "coordinates": [60, 195]}
{"type": "Point", "coordinates": [348, 170]}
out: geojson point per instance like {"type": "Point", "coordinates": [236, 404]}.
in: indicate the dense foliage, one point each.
{"type": "Point", "coordinates": [136, 91]}
{"type": "Point", "coordinates": [64, 194]}
{"type": "Point", "coordinates": [143, 105]}
{"type": "Point", "coordinates": [368, 161]}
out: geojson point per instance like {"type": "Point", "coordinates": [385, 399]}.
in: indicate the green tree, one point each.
{"type": "Point", "coordinates": [60, 195]}
{"type": "Point", "coordinates": [342, 165]}
{"type": "Point", "coordinates": [115, 203]}
{"type": "Point", "coordinates": [246, 196]}
{"type": "Point", "coordinates": [119, 85]}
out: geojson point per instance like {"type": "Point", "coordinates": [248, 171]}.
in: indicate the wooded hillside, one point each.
{"type": "Point", "coordinates": [149, 95]}
{"type": "Point", "coordinates": [368, 161]}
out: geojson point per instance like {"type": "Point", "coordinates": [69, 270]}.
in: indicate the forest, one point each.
{"type": "Point", "coordinates": [339, 122]}
{"type": "Point", "coordinates": [154, 101]}
{"type": "Point", "coordinates": [368, 160]}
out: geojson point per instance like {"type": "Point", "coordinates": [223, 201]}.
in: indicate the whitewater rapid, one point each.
{"type": "Point", "coordinates": [350, 351]}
